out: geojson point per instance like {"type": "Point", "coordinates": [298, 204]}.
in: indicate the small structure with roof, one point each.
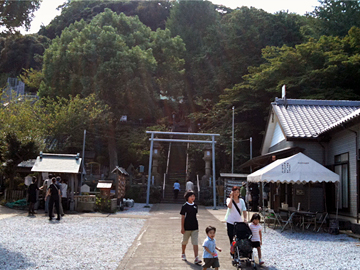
{"type": "Point", "coordinates": [68, 164]}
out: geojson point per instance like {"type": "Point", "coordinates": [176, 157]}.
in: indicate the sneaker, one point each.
{"type": "Point", "coordinates": [197, 260]}
{"type": "Point", "coordinates": [183, 257]}
{"type": "Point", "coordinates": [261, 262]}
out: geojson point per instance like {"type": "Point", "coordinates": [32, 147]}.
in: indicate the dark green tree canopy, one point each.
{"type": "Point", "coordinates": [22, 52]}
{"type": "Point", "coordinates": [337, 16]}
{"type": "Point", "coordinates": [117, 57]}
{"type": "Point", "coordinates": [151, 13]}
{"type": "Point", "coordinates": [17, 13]}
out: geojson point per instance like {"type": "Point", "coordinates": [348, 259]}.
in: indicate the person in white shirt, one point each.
{"type": "Point", "coordinates": [64, 188]}
{"type": "Point", "coordinates": [176, 189]}
{"type": "Point", "coordinates": [189, 185]}
{"type": "Point", "coordinates": [235, 215]}
{"type": "Point", "coordinates": [256, 238]}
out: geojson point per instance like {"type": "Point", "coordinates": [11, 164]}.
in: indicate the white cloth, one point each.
{"type": "Point", "coordinates": [234, 215]}
{"type": "Point", "coordinates": [189, 185]}
{"type": "Point", "coordinates": [255, 229]}
{"type": "Point", "coordinates": [64, 190]}
{"type": "Point", "coordinates": [177, 185]}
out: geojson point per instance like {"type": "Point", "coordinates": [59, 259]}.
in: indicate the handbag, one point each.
{"type": "Point", "coordinates": [237, 208]}
{"type": "Point", "coordinates": [227, 214]}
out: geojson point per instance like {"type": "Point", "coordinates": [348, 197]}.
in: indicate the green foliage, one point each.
{"type": "Point", "coordinates": [13, 152]}
{"type": "Point", "coordinates": [150, 13]}
{"type": "Point", "coordinates": [336, 17]}
{"type": "Point", "coordinates": [22, 52]}
{"type": "Point", "coordinates": [14, 14]}
{"type": "Point", "coordinates": [103, 205]}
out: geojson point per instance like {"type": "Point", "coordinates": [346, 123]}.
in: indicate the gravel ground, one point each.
{"type": "Point", "coordinates": [308, 250]}
{"type": "Point", "coordinates": [73, 243]}
{"type": "Point", "coordinates": [137, 209]}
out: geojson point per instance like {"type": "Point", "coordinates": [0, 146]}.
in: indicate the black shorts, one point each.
{"type": "Point", "coordinates": [256, 244]}
{"type": "Point", "coordinates": [211, 262]}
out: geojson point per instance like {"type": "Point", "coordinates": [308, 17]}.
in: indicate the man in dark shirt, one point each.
{"type": "Point", "coordinates": [189, 225]}
{"type": "Point", "coordinates": [54, 193]}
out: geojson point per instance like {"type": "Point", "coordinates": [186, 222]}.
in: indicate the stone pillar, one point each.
{"type": "Point", "coordinates": [207, 158]}
{"type": "Point", "coordinates": [155, 163]}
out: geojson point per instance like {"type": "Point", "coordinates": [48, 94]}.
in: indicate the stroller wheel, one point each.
{"type": "Point", "coordinates": [238, 267]}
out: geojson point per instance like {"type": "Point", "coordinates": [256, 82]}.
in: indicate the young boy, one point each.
{"type": "Point", "coordinates": [189, 225]}
{"type": "Point", "coordinates": [210, 256]}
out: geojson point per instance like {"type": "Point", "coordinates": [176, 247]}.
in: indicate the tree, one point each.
{"type": "Point", "coordinates": [318, 69]}
{"type": "Point", "coordinates": [337, 16]}
{"type": "Point", "coordinates": [151, 13]}
{"type": "Point", "coordinates": [119, 59]}
{"type": "Point", "coordinates": [14, 14]}
{"type": "Point", "coordinates": [16, 152]}
{"type": "Point", "coordinates": [22, 52]}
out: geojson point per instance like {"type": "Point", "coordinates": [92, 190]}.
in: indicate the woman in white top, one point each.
{"type": "Point", "coordinates": [234, 215]}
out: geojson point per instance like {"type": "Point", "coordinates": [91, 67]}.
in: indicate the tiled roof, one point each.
{"type": "Point", "coordinates": [302, 118]}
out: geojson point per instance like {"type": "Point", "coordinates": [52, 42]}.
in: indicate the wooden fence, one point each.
{"type": "Point", "coordinates": [14, 195]}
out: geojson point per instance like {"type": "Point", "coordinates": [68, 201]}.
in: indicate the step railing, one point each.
{"type": "Point", "coordinates": [164, 185]}
{"type": "Point", "coordinates": [168, 159]}
{"type": "Point", "coordinates": [198, 185]}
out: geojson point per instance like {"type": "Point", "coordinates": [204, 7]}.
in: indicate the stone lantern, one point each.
{"type": "Point", "coordinates": [155, 163]}
{"type": "Point", "coordinates": [207, 158]}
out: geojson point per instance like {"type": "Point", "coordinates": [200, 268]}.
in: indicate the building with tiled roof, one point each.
{"type": "Point", "coordinates": [328, 132]}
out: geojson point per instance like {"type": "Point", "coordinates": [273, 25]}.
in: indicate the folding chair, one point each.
{"type": "Point", "coordinates": [310, 219]}
{"type": "Point", "coordinates": [321, 220]}
{"type": "Point", "coordinates": [272, 216]}
{"type": "Point", "coordinates": [287, 222]}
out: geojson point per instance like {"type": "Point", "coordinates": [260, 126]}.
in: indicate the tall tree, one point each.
{"type": "Point", "coordinates": [151, 13]}
{"type": "Point", "coordinates": [318, 69]}
{"type": "Point", "coordinates": [22, 52]}
{"type": "Point", "coordinates": [17, 13]}
{"type": "Point", "coordinates": [337, 16]}
{"type": "Point", "coordinates": [119, 59]}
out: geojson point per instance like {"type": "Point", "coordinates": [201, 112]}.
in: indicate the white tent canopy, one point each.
{"type": "Point", "coordinates": [297, 169]}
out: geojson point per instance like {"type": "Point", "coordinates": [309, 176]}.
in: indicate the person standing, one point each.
{"type": "Point", "coordinates": [54, 194]}
{"type": "Point", "coordinates": [210, 256]}
{"type": "Point", "coordinates": [256, 238]}
{"type": "Point", "coordinates": [189, 226]}
{"type": "Point", "coordinates": [237, 211]}
{"type": "Point", "coordinates": [189, 185]}
{"type": "Point", "coordinates": [58, 184]}
{"type": "Point", "coordinates": [44, 188]}
{"type": "Point", "coordinates": [32, 195]}
{"type": "Point", "coordinates": [176, 189]}
{"type": "Point", "coordinates": [64, 188]}
{"type": "Point", "coordinates": [243, 191]}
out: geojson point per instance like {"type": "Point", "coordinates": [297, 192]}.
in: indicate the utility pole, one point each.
{"type": "Point", "coordinates": [232, 148]}
{"type": "Point", "coordinates": [83, 162]}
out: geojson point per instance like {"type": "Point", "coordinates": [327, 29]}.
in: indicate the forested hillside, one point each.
{"type": "Point", "coordinates": [101, 60]}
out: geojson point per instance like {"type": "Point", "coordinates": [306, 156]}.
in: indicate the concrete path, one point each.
{"type": "Point", "coordinates": [6, 212]}
{"type": "Point", "coordinates": [158, 246]}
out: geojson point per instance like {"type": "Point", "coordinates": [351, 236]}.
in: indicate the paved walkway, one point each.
{"type": "Point", "coordinates": [158, 246]}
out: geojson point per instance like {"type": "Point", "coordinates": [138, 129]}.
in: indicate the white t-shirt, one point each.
{"type": "Point", "coordinates": [255, 229]}
{"type": "Point", "coordinates": [64, 190]}
{"type": "Point", "coordinates": [234, 215]}
{"type": "Point", "coordinates": [189, 185]}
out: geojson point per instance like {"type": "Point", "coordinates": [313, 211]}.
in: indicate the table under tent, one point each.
{"type": "Point", "coordinates": [296, 182]}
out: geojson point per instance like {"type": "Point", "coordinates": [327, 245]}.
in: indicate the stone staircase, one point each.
{"type": "Point", "coordinates": [177, 171]}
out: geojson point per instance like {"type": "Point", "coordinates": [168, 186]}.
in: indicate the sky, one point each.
{"type": "Point", "coordinates": [48, 10]}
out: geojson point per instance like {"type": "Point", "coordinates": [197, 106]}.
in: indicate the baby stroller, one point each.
{"type": "Point", "coordinates": [242, 246]}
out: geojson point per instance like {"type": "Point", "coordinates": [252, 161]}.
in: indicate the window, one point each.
{"type": "Point", "coordinates": [342, 169]}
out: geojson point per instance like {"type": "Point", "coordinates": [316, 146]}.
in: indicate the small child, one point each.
{"type": "Point", "coordinates": [256, 239]}
{"type": "Point", "coordinates": [210, 256]}
{"type": "Point", "coordinates": [189, 225]}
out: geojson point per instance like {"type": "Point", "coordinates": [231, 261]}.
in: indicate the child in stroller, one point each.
{"type": "Point", "coordinates": [242, 246]}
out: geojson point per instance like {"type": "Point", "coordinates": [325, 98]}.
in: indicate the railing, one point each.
{"type": "Point", "coordinates": [198, 185]}
{"type": "Point", "coordinates": [168, 159]}
{"type": "Point", "coordinates": [164, 185]}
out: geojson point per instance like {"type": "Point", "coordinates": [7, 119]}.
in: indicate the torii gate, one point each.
{"type": "Point", "coordinates": [152, 139]}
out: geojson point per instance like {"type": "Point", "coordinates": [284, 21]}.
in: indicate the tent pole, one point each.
{"type": "Point", "coordinates": [309, 196]}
